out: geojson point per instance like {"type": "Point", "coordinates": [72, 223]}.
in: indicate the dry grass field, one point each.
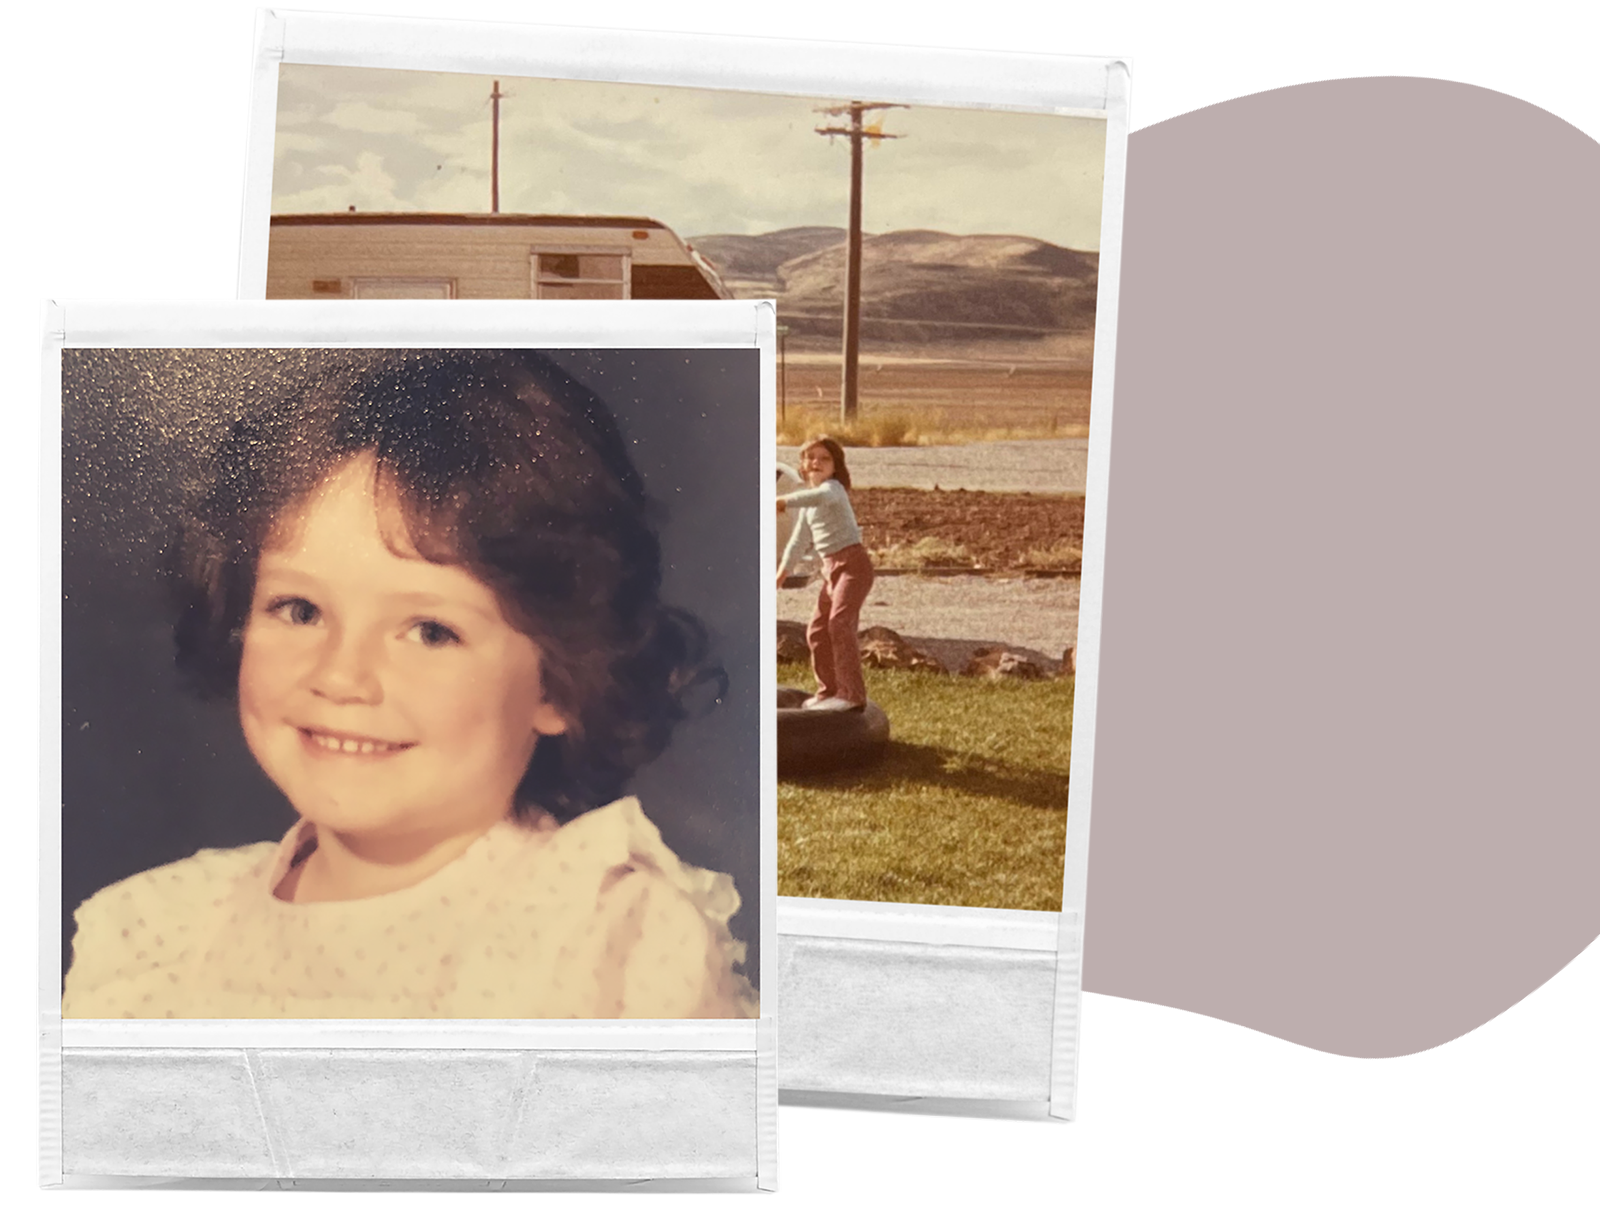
{"type": "Point", "coordinates": [905, 402]}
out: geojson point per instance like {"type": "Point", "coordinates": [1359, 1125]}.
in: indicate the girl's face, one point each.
{"type": "Point", "coordinates": [386, 695]}
{"type": "Point", "coordinates": [816, 465]}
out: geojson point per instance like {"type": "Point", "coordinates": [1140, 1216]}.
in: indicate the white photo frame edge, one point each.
{"type": "Point", "coordinates": [1075, 882]}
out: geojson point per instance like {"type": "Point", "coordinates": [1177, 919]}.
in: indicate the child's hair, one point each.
{"type": "Point", "coordinates": [500, 463]}
{"type": "Point", "coordinates": [841, 470]}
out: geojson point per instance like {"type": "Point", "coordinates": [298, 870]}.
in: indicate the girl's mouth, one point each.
{"type": "Point", "coordinates": [346, 746]}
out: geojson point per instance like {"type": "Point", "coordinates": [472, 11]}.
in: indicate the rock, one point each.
{"type": "Point", "coordinates": [883, 655]}
{"type": "Point", "coordinates": [1069, 663]}
{"type": "Point", "coordinates": [792, 647]}
{"type": "Point", "coordinates": [883, 648]}
{"type": "Point", "coordinates": [998, 662]}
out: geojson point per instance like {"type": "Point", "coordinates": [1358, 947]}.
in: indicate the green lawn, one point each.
{"type": "Point", "coordinates": [968, 807]}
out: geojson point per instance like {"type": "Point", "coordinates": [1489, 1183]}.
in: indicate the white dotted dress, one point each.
{"type": "Point", "coordinates": [596, 918]}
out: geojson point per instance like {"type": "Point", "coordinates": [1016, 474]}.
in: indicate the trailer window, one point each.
{"type": "Point", "coordinates": [569, 274]}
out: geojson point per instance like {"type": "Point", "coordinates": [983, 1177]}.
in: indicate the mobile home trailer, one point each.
{"type": "Point", "coordinates": [482, 255]}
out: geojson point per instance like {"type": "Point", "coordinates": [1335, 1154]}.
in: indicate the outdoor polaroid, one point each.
{"type": "Point", "coordinates": [407, 819]}
{"type": "Point", "coordinates": [939, 230]}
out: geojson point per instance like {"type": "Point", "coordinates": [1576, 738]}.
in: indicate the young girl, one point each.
{"type": "Point", "coordinates": [827, 523]}
{"type": "Point", "coordinates": [433, 592]}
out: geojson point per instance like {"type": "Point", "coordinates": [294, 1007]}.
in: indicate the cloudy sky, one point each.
{"type": "Point", "coordinates": [702, 161]}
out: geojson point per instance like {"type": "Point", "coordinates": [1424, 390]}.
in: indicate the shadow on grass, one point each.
{"type": "Point", "coordinates": [906, 763]}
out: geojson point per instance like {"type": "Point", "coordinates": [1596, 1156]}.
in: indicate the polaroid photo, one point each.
{"type": "Point", "coordinates": [939, 231]}
{"type": "Point", "coordinates": [408, 816]}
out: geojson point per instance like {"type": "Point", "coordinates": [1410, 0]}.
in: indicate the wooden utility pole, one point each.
{"type": "Point", "coordinates": [494, 153]}
{"type": "Point", "coordinates": [856, 133]}
{"type": "Point", "coordinates": [783, 376]}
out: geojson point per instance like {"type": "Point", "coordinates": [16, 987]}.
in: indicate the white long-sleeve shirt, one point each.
{"type": "Point", "coordinates": [825, 520]}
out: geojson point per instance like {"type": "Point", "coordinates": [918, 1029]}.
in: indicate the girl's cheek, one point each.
{"type": "Point", "coordinates": [260, 642]}
{"type": "Point", "coordinates": [271, 658]}
{"type": "Point", "coordinates": [256, 671]}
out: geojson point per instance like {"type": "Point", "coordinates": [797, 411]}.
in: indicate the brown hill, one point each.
{"type": "Point", "coordinates": [751, 261]}
{"type": "Point", "coordinates": [921, 290]}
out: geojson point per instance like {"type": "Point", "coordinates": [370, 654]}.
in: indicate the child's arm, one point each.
{"type": "Point", "coordinates": [828, 491]}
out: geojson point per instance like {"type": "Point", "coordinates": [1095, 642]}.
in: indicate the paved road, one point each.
{"type": "Point", "coordinates": [1055, 465]}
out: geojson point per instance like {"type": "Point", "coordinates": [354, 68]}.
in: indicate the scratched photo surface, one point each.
{"type": "Point", "coordinates": [385, 605]}
{"type": "Point", "coordinates": [936, 275]}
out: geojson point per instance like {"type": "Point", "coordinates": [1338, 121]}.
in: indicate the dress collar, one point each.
{"type": "Point", "coordinates": [301, 841]}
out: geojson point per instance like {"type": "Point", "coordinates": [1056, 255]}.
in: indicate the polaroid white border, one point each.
{"type": "Point", "coordinates": [451, 1103]}
{"type": "Point", "coordinates": [974, 1008]}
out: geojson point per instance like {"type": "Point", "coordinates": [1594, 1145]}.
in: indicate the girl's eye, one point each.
{"type": "Point", "coordinates": [433, 634]}
{"type": "Point", "coordinates": [295, 610]}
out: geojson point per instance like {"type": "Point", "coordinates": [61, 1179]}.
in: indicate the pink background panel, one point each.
{"type": "Point", "coordinates": [1346, 781]}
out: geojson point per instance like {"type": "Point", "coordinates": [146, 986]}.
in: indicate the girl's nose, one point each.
{"type": "Point", "coordinates": [346, 670]}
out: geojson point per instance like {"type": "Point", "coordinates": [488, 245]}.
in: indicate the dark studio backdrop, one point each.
{"type": "Point", "coordinates": [151, 774]}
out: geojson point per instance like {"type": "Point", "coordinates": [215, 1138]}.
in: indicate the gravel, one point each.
{"type": "Point", "coordinates": [950, 617]}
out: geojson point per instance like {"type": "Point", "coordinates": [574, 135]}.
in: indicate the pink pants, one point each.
{"type": "Point", "coordinates": [835, 652]}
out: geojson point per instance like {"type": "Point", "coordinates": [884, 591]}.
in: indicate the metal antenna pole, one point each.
{"type": "Point", "coordinates": [494, 153]}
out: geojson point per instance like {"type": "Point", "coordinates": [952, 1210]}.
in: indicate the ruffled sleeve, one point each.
{"type": "Point", "coordinates": [668, 946]}
{"type": "Point", "coordinates": [142, 928]}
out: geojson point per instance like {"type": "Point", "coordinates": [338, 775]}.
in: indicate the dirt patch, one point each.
{"type": "Point", "coordinates": [999, 532]}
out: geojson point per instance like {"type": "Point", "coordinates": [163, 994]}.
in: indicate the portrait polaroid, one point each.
{"type": "Point", "coordinates": [406, 816]}
{"type": "Point", "coordinates": [939, 231]}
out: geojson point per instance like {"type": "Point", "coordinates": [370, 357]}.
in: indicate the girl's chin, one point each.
{"type": "Point", "coordinates": [343, 822]}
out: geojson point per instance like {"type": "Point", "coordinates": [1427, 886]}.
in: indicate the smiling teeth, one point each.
{"type": "Point", "coordinates": [342, 745]}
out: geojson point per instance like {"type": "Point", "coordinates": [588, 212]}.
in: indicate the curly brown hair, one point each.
{"type": "Point", "coordinates": [501, 463]}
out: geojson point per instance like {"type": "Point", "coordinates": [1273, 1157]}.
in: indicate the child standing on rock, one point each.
{"type": "Point", "coordinates": [827, 523]}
